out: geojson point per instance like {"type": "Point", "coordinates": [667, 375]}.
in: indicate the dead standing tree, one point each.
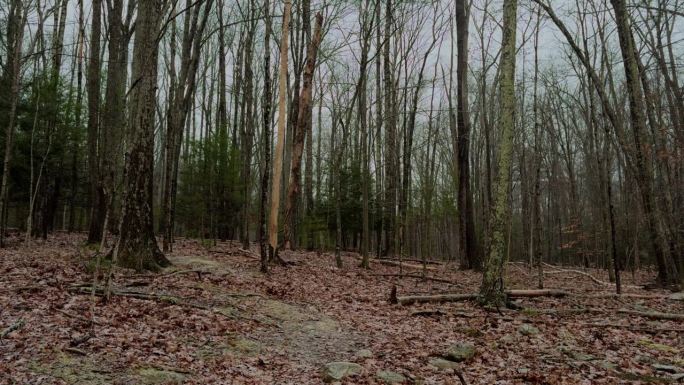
{"type": "Point", "coordinates": [303, 118]}
{"type": "Point", "coordinates": [278, 156]}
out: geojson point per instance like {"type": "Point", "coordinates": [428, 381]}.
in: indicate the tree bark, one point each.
{"type": "Point", "coordinates": [470, 258]}
{"type": "Point", "coordinates": [15, 36]}
{"type": "Point", "coordinates": [492, 289]}
{"type": "Point", "coordinates": [637, 109]}
{"type": "Point", "coordinates": [136, 246]}
{"type": "Point", "coordinates": [303, 119]}
{"type": "Point", "coordinates": [278, 156]}
{"type": "Point", "coordinates": [97, 202]}
{"type": "Point", "coordinates": [113, 112]}
{"type": "Point", "coordinates": [248, 133]}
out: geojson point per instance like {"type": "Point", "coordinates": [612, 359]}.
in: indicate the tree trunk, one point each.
{"type": "Point", "coordinates": [392, 160]}
{"type": "Point", "coordinates": [15, 37]}
{"type": "Point", "coordinates": [266, 139]}
{"type": "Point", "coordinates": [136, 246]}
{"type": "Point", "coordinates": [492, 289]}
{"type": "Point", "coordinates": [113, 112]}
{"type": "Point", "coordinates": [303, 119]}
{"type": "Point", "coordinates": [97, 203]}
{"type": "Point", "coordinates": [468, 242]}
{"type": "Point", "coordinates": [278, 156]}
{"type": "Point", "coordinates": [248, 134]}
{"type": "Point", "coordinates": [637, 109]}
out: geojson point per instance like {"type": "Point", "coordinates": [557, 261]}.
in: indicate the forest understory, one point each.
{"type": "Point", "coordinates": [212, 317]}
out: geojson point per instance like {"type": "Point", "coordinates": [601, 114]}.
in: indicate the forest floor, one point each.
{"type": "Point", "coordinates": [213, 318]}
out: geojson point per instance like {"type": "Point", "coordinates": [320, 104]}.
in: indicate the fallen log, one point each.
{"type": "Point", "coordinates": [402, 264]}
{"type": "Point", "coordinates": [427, 313]}
{"type": "Point", "coordinates": [642, 329]}
{"type": "Point", "coordinates": [533, 311]}
{"type": "Point", "coordinates": [623, 295]}
{"type": "Point", "coordinates": [438, 298]}
{"type": "Point", "coordinates": [579, 272]}
{"type": "Point", "coordinates": [537, 293]}
{"type": "Point", "coordinates": [416, 276]}
{"type": "Point", "coordinates": [427, 261]}
{"type": "Point", "coordinates": [653, 314]}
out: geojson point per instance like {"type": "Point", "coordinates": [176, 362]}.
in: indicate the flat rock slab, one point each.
{"type": "Point", "coordinates": [336, 371]}
{"type": "Point", "coordinates": [390, 377]}
{"type": "Point", "coordinates": [441, 363]}
{"type": "Point", "coordinates": [528, 330]}
{"type": "Point", "coordinates": [460, 352]}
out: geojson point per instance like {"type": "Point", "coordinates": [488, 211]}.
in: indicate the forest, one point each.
{"type": "Point", "coordinates": [341, 191]}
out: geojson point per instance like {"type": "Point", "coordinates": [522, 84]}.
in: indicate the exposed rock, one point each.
{"type": "Point", "coordinates": [364, 353]}
{"type": "Point", "coordinates": [607, 365]}
{"type": "Point", "coordinates": [336, 371]}
{"type": "Point", "coordinates": [576, 355]}
{"type": "Point", "coordinates": [666, 368]}
{"type": "Point", "coordinates": [528, 330]}
{"type": "Point", "coordinates": [390, 377]}
{"type": "Point", "coordinates": [460, 352]}
{"type": "Point", "coordinates": [441, 363]}
{"type": "Point", "coordinates": [508, 339]}
{"type": "Point", "coordinates": [656, 346]}
{"type": "Point", "coordinates": [677, 296]}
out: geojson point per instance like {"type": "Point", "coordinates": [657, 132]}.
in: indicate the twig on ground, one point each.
{"type": "Point", "coordinates": [438, 298]}
{"type": "Point", "coordinates": [84, 319]}
{"type": "Point", "coordinates": [460, 377]}
{"type": "Point", "coordinates": [15, 326]}
{"type": "Point", "coordinates": [75, 351]}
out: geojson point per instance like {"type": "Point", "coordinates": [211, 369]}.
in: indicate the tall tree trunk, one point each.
{"type": "Point", "coordinates": [97, 203]}
{"type": "Point", "coordinates": [492, 289]}
{"type": "Point", "coordinates": [278, 156]}
{"type": "Point", "coordinates": [392, 160]}
{"type": "Point", "coordinates": [248, 133]}
{"type": "Point", "coordinates": [303, 119]}
{"type": "Point", "coordinates": [77, 121]}
{"type": "Point", "coordinates": [179, 106]}
{"type": "Point", "coordinates": [136, 246]}
{"type": "Point", "coordinates": [222, 120]}
{"type": "Point", "coordinates": [266, 139]}
{"type": "Point", "coordinates": [637, 110]}
{"type": "Point", "coordinates": [362, 113]}
{"type": "Point", "coordinates": [467, 240]}
{"type": "Point", "coordinates": [15, 37]}
{"type": "Point", "coordinates": [535, 223]}
{"type": "Point", "coordinates": [379, 217]}
{"type": "Point", "coordinates": [113, 111]}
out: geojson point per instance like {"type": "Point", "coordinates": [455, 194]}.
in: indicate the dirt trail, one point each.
{"type": "Point", "coordinates": [213, 318]}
